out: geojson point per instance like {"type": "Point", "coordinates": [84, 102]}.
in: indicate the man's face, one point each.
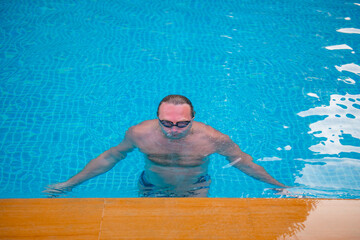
{"type": "Point", "coordinates": [175, 114]}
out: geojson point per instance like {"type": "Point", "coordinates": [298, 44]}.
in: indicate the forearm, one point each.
{"type": "Point", "coordinates": [95, 167]}
{"type": "Point", "coordinates": [258, 172]}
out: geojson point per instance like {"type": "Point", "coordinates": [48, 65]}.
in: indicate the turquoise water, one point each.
{"type": "Point", "coordinates": [281, 78]}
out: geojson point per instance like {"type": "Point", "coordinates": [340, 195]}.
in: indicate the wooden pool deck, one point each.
{"type": "Point", "coordinates": [179, 218]}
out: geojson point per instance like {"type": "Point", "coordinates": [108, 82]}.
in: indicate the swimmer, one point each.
{"type": "Point", "coordinates": [176, 150]}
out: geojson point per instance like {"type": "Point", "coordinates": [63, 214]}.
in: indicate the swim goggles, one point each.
{"type": "Point", "coordinates": [169, 124]}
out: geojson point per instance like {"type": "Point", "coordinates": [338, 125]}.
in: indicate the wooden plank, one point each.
{"type": "Point", "coordinates": [50, 218]}
{"type": "Point", "coordinates": [179, 218]}
{"type": "Point", "coordinates": [333, 219]}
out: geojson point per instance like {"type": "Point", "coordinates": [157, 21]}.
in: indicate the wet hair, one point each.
{"type": "Point", "coordinates": [177, 100]}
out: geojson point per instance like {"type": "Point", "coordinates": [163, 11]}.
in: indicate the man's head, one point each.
{"type": "Point", "coordinates": [177, 100]}
{"type": "Point", "coordinates": [175, 113]}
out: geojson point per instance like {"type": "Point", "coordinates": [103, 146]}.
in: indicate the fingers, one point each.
{"type": "Point", "coordinates": [54, 191]}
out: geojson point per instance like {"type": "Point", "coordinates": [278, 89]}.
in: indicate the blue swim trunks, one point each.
{"type": "Point", "coordinates": [147, 189]}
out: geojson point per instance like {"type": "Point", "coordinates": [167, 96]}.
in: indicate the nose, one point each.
{"type": "Point", "coordinates": [174, 129]}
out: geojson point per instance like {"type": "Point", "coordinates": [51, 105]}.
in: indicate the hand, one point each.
{"type": "Point", "coordinates": [281, 191]}
{"type": "Point", "coordinates": [55, 190]}
{"type": "Point", "coordinates": [292, 192]}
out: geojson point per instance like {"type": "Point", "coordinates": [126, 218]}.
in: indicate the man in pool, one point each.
{"type": "Point", "coordinates": [176, 150]}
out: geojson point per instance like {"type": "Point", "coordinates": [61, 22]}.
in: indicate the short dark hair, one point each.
{"type": "Point", "coordinates": [177, 100]}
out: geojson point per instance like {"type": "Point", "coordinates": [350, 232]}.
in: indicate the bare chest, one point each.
{"type": "Point", "coordinates": [177, 153]}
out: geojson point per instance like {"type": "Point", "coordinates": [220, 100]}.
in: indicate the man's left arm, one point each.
{"type": "Point", "coordinates": [243, 161]}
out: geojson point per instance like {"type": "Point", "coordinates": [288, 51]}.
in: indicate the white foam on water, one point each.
{"type": "Point", "coordinates": [346, 80]}
{"type": "Point", "coordinates": [288, 147]}
{"type": "Point", "coordinates": [313, 95]}
{"type": "Point", "coordinates": [347, 18]}
{"type": "Point", "coordinates": [269, 159]}
{"type": "Point", "coordinates": [351, 67]}
{"type": "Point", "coordinates": [226, 36]}
{"type": "Point", "coordinates": [338, 47]}
{"type": "Point", "coordinates": [349, 30]}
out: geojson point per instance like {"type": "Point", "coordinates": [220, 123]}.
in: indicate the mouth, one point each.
{"type": "Point", "coordinates": [173, 135]}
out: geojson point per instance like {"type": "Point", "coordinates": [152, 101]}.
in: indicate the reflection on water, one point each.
{"type": "Point", "coordinates": [339, 132]}
{"type": "Point", "coordinates": [327, 177]}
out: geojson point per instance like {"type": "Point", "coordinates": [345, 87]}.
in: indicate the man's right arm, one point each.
{"type": "Point", "coordinates": [243, 161]}
{"type": "Point", "coordinates": [103, 163]}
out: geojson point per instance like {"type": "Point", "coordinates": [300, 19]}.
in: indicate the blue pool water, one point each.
{"type": "Point", "coordinates": [281, 78]}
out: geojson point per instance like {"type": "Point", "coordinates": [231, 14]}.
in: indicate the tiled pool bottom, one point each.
{"type": "Point", "coordinates": [179, 218]}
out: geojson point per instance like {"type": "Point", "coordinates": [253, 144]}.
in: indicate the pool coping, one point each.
{"type": "Point", "coordinates": [179, 218]}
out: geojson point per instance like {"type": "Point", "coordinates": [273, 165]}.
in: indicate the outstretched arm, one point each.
{"type": "Point", "coordinates": [95, 167]}
{"type": "Point", "coordinates": [243, 161]}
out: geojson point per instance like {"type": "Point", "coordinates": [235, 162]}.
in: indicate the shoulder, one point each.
{"type": "Point", "coordinates": [221, 142]}
{"type": "Point", "coordinates": [141, 129]}
{"type": "Point", "coordinates": [145, 125]}
{"type": "Point", "coordinates": [210, 132]}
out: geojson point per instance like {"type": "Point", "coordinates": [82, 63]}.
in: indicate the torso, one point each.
{"type": "Point", "coordinates": [174, 163]}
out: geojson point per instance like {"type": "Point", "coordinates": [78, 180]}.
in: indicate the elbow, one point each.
{"type": "Point", "coordinates": [245, 158]}
{"type": "Point", "coordinates": [115, 155]}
